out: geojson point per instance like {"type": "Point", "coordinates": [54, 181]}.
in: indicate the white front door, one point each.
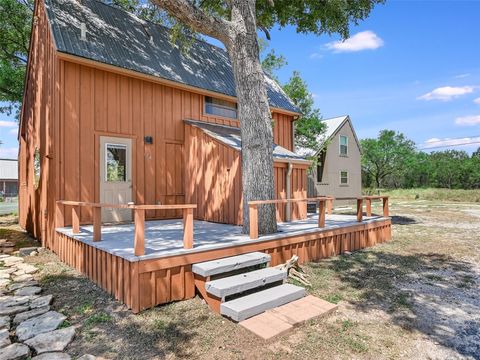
{"type": "Point", "coordinates": [115, 177]}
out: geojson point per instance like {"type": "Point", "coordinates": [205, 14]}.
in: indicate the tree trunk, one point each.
{"type": "Point", "coordinates": [254, 116]}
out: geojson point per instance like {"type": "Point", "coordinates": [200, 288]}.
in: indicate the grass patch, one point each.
{"type": "Point", "coordinates": [431, 194]}
{"type": "Point", "coordinates": [98, 318]}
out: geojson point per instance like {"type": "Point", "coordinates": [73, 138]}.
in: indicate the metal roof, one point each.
{"type": "Point", "coordinates": [118, 38]}
{"type": "Point", "coordinates": [230, 136]}
{"type": "Point", "coordinates": [8, 169]}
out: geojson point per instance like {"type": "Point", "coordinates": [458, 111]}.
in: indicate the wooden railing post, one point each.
{"type": "Point", "coordinates": [59, 215]}
{"type": "Point", "coordinates": [369, 206]}
{"type": "Point", "coordinates": [321, 213]}
{"type": "Point", "coordinates": [386, 213]}
{"type": "Point", "coordinates": [139, 242]}
{"type": "Point", "coordinates": [359, 209]}
{"type": "Point", "coordinates": [329, 206]}
{"type": "Point", "coordinates": [187, 228]}
{"type": "Point", "coordinates": [97, 223]}
{"type": "Point", "coordinates": [253, 218]}
{"type": "Point", "coordinates": [75, 219]}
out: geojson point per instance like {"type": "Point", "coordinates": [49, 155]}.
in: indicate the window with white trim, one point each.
{"type": "Point", "coordinates": [343, 177]}
{"type": "Point", "coordinates": [220, 107]}
{"type": "Point", "coordinates": [343, 145]}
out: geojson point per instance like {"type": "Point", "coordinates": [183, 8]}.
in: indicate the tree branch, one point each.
{"type": "Point", "coordinates": [196, 18]}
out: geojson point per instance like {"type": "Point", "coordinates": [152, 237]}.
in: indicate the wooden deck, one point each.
{"type": "Point", "coordinates": [164, 273]}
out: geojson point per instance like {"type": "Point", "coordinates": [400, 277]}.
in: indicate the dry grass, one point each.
{"type": "Point", "coordinates": [414, 297]}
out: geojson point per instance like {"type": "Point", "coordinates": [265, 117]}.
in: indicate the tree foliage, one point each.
{"type": "Point", "coordinates": [308, 127]}
{"type": "Point", "coordinates": [15, 27]}
{"type": "Point", "coordinates": [391, 161]}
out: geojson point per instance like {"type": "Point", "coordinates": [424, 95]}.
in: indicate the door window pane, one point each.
{"type": "Point", "coordinates": [116, 162]}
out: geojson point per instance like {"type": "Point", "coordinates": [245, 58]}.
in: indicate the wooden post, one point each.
{"type": "Point", "coordinates": [139, 242]}
{"type": "Point", "coordinates": [59, 218]}
{"type": "Point", "coordinates": [187, 228]}
{"type": "Point", "coordinates": [75, 219]}
{"type": "Point", "coordinates": [329, 206]}
{"type": "Point", "coordinates": [321, 213]}
{"type": "Point", "coordinates": [359, 209]}
{"type": "Point", "coordinates": [385, 207]}
{"type": "Point", "coordinates": [369, 206]}
{"type": "Point", "coordinates": [253, 217]}
{"type": "Point", "coordinates": [97, 223]}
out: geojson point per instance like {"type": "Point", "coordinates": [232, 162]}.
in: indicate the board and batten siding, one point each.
{"type": "Point", "coordinates": [213, 180]}
{"type": "Point", "coordinates": [39, 111]}
{"type": "Point", "coordinates": [69, 104]}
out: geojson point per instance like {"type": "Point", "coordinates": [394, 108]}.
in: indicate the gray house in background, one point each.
{"type": "Point", "coordinates": [338, 171]}
{"type": "Point", "coordinates": [8, 177]}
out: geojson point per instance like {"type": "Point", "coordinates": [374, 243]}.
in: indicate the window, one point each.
{"type": "Point", "coordinates": [220, 107]}
{"type": "Point", "coordinates": [321, 166]}
{"type": "Point", "coordinates": [343, 177]}
{"type": "Point", "coordinates": [343, 145]}
{"type": "Point", "coordinates": [116, 162]}
{"type": "Point", "coordinates": [36, 168]}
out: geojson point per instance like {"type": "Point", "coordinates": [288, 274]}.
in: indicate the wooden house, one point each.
{"type": "Point", "coordinates": [119, 126]}
{"type": "Point", "coordinates": [115, 113]}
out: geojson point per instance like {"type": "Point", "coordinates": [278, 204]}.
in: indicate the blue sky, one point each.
{"type": "Point", "coordinates": [403, 51]}
{"type": "Point", "coordinates": [412, 66]}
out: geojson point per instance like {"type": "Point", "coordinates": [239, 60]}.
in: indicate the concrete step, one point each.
{"type": "Point", "coordinates": [242, 282]}
{"type": "Point", "coordinates": [254, 304]}
{"type": "Point", "coordinates": [225, 265]}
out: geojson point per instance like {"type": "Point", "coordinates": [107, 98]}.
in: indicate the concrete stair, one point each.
{"type": "Point", "coordinates": [235, 286]}
{"type": "Point", "coordinates": [243, 282]}
{"type": "Point", "coordinates": [233, 263]}
{"type": "Point", "coordinates": [256, 303]}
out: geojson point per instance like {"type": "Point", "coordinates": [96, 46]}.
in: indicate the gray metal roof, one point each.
{"type": "Point", "coordinates": [8, 169]}
{"type": "Point", "coordinates": [230, 136]}
{"type": "Point", "coordinates": [118, 38]}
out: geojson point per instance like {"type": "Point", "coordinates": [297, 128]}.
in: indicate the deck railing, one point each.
{"type": "Point", "coordinates": [139, 219]}
{"type": "Point", "coordinates": [384, 199]}
{"type": "Point", "coordinates": [323, 203]}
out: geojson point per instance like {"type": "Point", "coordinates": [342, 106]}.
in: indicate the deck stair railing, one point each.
{"type": "Point", "coordinates": [323, 203]}
{"type": "Point", "coordinates": [139, 219]}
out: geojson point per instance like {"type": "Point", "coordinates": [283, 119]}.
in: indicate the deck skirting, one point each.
{"type": "Point", "coordinates": [144, 284]}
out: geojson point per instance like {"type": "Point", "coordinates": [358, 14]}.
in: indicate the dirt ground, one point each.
{"type": "Point", "coordinates": [415, 297]}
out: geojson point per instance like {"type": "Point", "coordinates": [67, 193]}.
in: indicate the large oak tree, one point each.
{"type": "Point", "coordinates": [235, 23]}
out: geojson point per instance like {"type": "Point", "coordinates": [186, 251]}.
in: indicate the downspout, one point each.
{"type": "Point", "coordinates": [288, 215]}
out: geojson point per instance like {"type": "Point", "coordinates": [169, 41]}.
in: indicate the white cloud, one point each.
{"type": "Point", "coordinates": [4, 123]}
{"type": "Point", "coordinates": [316, 56]}
{"type": "Point", "coordinates": [447, 93]}
{"type": "Point", "coordinates": [461, 76]}
{"type": "Point", "coordinates": [365, 40]}
{"type": "Point", "coordinates": [9, 153]}
{"type": "Point", "coordinates": [447, 142]}
{"type": "Point", "coordinates": [477, 101]}
{"type": "Point", "coordinates": [470, 120]}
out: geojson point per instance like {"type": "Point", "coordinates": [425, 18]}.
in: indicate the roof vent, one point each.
{"type": "Point", "coordinates": [83, 31]}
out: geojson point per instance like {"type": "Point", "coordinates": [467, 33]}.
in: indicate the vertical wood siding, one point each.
{"type": "Point", "coordinates": [39, 110]}
{"type": "Point", "coordinates": [213, 180]}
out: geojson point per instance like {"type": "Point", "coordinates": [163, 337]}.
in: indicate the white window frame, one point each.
{"type": "Point", "coordinates": [340, 145]}
{"type": "Point", "coordinates": [348, 177]}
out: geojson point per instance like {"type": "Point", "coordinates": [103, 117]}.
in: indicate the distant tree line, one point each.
{"type": "Point", "coordinates": [392, 161]}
